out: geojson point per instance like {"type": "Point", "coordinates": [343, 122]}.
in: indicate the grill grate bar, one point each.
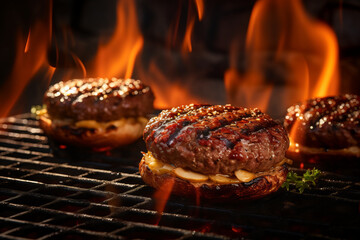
{"type": "Point", "coordinates": [56, 229]}
{"type": "Point", "coordinates": [90, 218]}
{"type": "Point", "coordinates": [77, 195]}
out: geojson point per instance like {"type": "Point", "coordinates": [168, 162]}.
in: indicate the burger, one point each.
{"type": "Point", "coordinates": [96, 112]}
{"type": "Point", "coordinates": [327, 126]}
{"type": "Point", "coordinates": [215, 152]}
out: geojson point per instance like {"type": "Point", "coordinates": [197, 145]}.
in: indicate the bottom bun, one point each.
{"type": "Point", "coordinates": [256, 188]}
{"type": "Point", "coordinates": [114, 136]}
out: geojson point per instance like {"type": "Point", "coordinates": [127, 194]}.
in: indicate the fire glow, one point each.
{"type": "Point", "coordinates": [161, 197]}
{"type": "Point", "coordinates": [281, 37]}
{"type": "Point", "coordinates": [30, 57]}
{"type": "Point", "coordinates": [116, 57]}
{"type": "Point", "coordinates": [171, 92]}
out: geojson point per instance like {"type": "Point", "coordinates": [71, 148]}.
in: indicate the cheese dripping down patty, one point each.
{"type": "Point", "coordinates": [159, 167]}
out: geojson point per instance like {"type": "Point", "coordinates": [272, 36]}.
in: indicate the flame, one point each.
{"type": "Point", "coordinates": [168, 92]}
{"type": "Point", "coordinates": [27, 42]}
{"type": "Point", "coordinates": [161, 197]}
{"type": "Point", "coordinates": [200, 8]}
{"type": "Point", "coordinates": [30, 57]}
{"type": "Point", "coordinates": [187, 39]}
{"type": "Point", "coordinates": [173, 91]}
{"type": "Point", "coordinates": [250, 90]}
{"type": "Point", "coordinates": [116, 58]}
{"type": "Point", "coordinates": [187, 46]}
{"type": "Point", "coordinates": [283, 47]}
{"type": "Point", "coordinates": [79, 63]}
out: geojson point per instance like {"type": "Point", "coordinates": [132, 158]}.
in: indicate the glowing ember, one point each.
{"type": "Point", "coordinates": [301, 165]}
{"type": "Point", "coordinates": [103, 149]}
{"type": "Point", "coordinates": [312, 160]}
{"type": "Point", "coordinates": [204, 229]}
{"type": "Point", "coordinates": [236, 229]}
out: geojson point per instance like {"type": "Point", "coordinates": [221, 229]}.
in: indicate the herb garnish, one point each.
{"type": "Point", "coordinates": [301, 182]}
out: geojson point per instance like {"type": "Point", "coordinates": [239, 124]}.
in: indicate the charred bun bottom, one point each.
{"type": "Point", "coordinates": [258, 187]}
{"type": "Point", "coordinates": [128, 131]}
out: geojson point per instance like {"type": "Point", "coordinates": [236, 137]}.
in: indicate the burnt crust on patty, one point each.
{"type": "Point", "coordinates": [216, 139]}
{"type": "Point", "coordinates": [99, 99]}
{"type": "Point", "coordinates": [328, 123]}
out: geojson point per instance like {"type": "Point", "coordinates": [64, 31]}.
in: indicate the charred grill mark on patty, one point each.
{"type": "Point", "coordinates": [197, 136]}
{"type": "Point", "coordinates": [173, 119]}
{"type": "Point", "coordinates": [206, 120]}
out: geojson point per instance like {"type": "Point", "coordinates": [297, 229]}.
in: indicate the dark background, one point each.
{"type": "Point", "coordinates": [87, 21]}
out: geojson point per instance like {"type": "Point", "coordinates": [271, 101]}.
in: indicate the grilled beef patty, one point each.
{"type": "Point", "coordinates": [216, 139]}
{"type": "Point", "coordinates": [329, 122]}
{"type": "Point", "coordinates": [99, 99]}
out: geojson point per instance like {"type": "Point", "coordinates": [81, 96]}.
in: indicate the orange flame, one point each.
{"type": "Point", "coordinates": [30, 57]}
{"type": "Point", "coordinates": [168, 92]}
{"type": "Point", "coordinates": [200, 8]}
{"type": "Point", "coordinates": [282, 41]}
{"type": "Point", "coordinates": [116, 58]}
{"type": "Point", "coordinates": [27, 42]}
{"type": "Point", "coordinates": [79, 63]}
{"type": "Point", "coordinates": [161, 197]}
{"type": "Point", "coordinates": [187, 46]}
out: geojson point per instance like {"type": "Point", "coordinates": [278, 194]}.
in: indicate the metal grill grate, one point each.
{"type": "Point", "coordinates": [74, 195]}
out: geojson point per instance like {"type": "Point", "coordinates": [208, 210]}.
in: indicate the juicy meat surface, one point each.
{"type": "Point", "coordinates": [329, 122]}
{"type": "Point", "coordinates": [99, 99]}
{"type": "Point", "coordinates": [216, 139]}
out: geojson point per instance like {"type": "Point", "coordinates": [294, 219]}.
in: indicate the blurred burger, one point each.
{"type": "Point", "coordinates": [96, 112]}
{"type": "Point", "coordinates": [215, 152]}
{"type": "Point", "coordinates": [325, 126]}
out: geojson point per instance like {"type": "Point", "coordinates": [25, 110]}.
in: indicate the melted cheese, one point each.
{"type": "Point", "coordinates": [158, 167]}
{"type": "Point", "coordinates": [92, 124]}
